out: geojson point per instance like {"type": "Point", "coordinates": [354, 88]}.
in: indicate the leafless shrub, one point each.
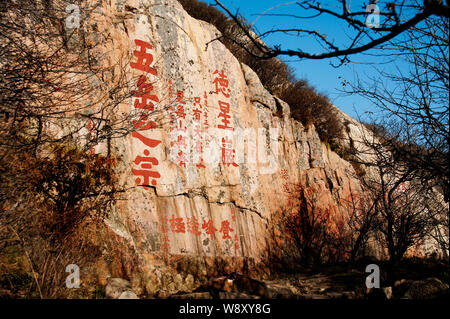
{"type": "Point", "coordinates": [55, 82]}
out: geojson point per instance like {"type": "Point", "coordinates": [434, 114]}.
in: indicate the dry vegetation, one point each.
{"type": "Point", "coordinates": [49, 206]}
{"type": "Point", "coordinates": [53, 85]}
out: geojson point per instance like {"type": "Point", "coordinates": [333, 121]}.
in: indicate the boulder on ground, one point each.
{"type": "Point", "coordinates": [116, 287]}
{"type": "Point", "coordinates": [429, 288]}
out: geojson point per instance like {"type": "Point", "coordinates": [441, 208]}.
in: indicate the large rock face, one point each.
{"type": "Point", "coordinates": [200, 200]}
{"type": "Point", "coordinates": [207, 208]}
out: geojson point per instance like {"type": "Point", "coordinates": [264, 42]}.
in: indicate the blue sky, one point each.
{"type": "Point", "coordinates": [319, 73]}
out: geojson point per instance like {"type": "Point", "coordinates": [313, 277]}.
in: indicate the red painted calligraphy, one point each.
{"type": "Point", "coordinates": [165, 232]}
{"type": "Point", "coordinates": [144, 59]}
{"type": "Point", "coordinates": [177, 224]}
{"type": "Point", "coordinates": [236, 242]}
{"type": "Point", "coordinates": [226, 229]}
{"type": "Point", "coordinates": [193, 226]}
{"type": "Point", "coordinates": [285, 176]}
{"type": "Point", "coordinates": [224, 114]}
{"type": "Point", "coordinates": [146, 174]}
{"type": "Point", "coordinates": [221, 83]}
{"type": "Point", "coordinates": [210, 229]}
{"type": "Point", "coordinates": [228, 152]}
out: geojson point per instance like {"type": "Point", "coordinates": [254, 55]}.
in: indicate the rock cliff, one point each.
{"type": "Point", "coordinates": [218, 160]}
{"type": "Point", "coordinates": [206, 180]}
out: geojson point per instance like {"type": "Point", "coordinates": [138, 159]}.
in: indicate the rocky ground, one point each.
{"type": "Point", "coordinates": [418, 279]}
{"type": "Point", "coordinates": [300, 286]}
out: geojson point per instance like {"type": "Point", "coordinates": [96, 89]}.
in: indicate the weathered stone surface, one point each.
{"type": "Point", "coordinates": [141, 238]}
{"type": "Point", "coordinates": [163, 294]}
{"type": "Point", "coordinates": [128, 295]}
{"type": "Point", "coordinates": [387, 292]}
{"type": "Point", "coordinates": [236, 295]}
{"type": "Point", "coordinates": [116, 288]}
{"type": "Point", "coordinates": [193, 295]}
{"type": "Point", "coordinates": [257, 91]}
{"type": "Point", "coordinates": [189, 282]}
{"type": "Point", "coordinates": [427, 289]}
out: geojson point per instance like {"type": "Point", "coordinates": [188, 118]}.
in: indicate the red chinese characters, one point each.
{"type": "Point", "coordinates": [193, 226]}
{"type": "Point", "coordinates": [181, 104]}
{"type": "Point", "coordinates": [228, 152]}
{"type": "Point", "coordinates": [236, 242]}
{"type": "Point", "coordinates": [187, 143]}
{"type": "Point", "coordinates": [144, 58]}
{"type": "Point", "coordinates": [224, 115]}
{"type": "Point", "coordinates": [222, 89]}
{"type": "Point", "coordinates": [144, 101]}
{"type": "Point", "coordinates": [165, 233]}
{"type": "Point", "coordinates": [148, 176]}
{"type": "Point", "coordinates": [144, 93]}
{"type": "Point", "coordinates": [197, 112]}
{"type": "Point", "coordinates": [198, 133]}
{"type": "Point", "coordinates": [178, 144]}
{"type": "Point", "coordinates": [177, 225]}
{"type": "Point", "coordinates": [210, 229]}
{"type": "Point", "coordinates": [225, 229]}
{"type": "Point", "coordinates": [221, 83]}
{"type": "Point", "coordinates": [207, 138]}
{"type": "Point", "coordinates": [205, 111]}
{"type": "Point", "coordinates": [146, 173]}
{"type": "Point", "coordinates": [236, 237]}
{"type": "Point", "coordinates": [285, 176]}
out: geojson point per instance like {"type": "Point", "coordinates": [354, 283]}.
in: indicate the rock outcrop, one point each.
{"type": "Point", "coordinates": [200, 199]}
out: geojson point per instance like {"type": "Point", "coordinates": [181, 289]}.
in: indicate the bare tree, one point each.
{"type": "Point", "coordinates": [415, 92]}
{"type": "Point", "coordinates": [413, 131]}
{"type": "Point", "coordinates": [59, 84]}
{"type": "Point", "coordinates": [361, 219]}
{"type": "Point", "coordinates": [404, 209]}
{"type": "Point", "coordinates": [60, 94]}
{"type": "Point", "coordinates": [413, 101]}
{"type": "Point", "coordinates": [413, 98]}
{"type": "Point", "coordinates": [56, 89]}
{"type": "Point", "coordinates": [311, 232]}
{"type": "Point", "coordinates": [51, 74]}
{"type": "Point", "coordinates": [365, 34]}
